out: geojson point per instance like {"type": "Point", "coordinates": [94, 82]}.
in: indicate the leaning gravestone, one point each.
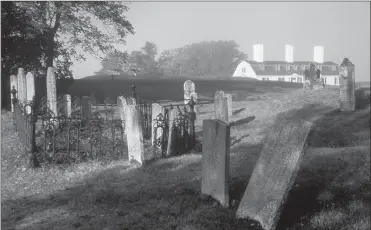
{"type": "Point", "coordinates": [215, 160]}
{"type": "Point", "coordinates": [274, 172]}
{"type": "Point", "coordinates": [30, 85]}
{"type": "Point", "coordinates": [221, 106]}
{"type": "Point", "coordinates": [347, 86]}
{"type": "Point", "coordinates": [173, 114]}
{"type": "Point", "coordinates": [229, 104]}
{"type": "Point", "coordinates": [157, 109]}
{"type": "Point", "coordinates": [134, 135]}
{"type": "Point", "coordinates": [86, 107]}
{"type": "Point", "coordinates": [22, 88]}
{"type": "Point", "coordinates": [189, 88]}
{"type": "Point", "coordinates": [13, 83]}
{"type": "Point", "coordinates": [51, 91]}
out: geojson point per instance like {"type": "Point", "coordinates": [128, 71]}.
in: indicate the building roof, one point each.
{"type": "Point", "coordinates": [270, 67]}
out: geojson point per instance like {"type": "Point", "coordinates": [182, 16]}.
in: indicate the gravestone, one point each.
{"type": "Point", "coordinates": [274, 172]}
{"type": "Point", "coordinates": [171, 145]}
{"type": "Point", "coordinates": [22, 87]}
{"type": "Point", "coordinates": [215, 160]}
{"type": "Point", "coordinates": [134, 136]}
{"type": "Point", "coordinates": [189, 88]}
{"type": "Point", "coordinates": [156, 110]}
{"type": "Point", "coordinates": [196, 108]}
{"type": "Point", "coordinates": [13, 83]}
{"type": "Point", "coordinates": [221, 106]}
{"type": "Point", "coordinates": [86, 107]}
{"type": "Point", "coordinates": [67, 104]}
{"type": "Point", "coordinates": [229, 104]}
{"type": "Point", "coordinates": [347, 86]}
{"type": "Point", "coordinates": [121, 102]}
{"type": "Point", "coordinates": [30, 85]}
{"type": "Point", "coordinates": [51, 91]}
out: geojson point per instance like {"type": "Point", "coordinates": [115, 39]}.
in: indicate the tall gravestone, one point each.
{"type": "Point", "coordinates": [229, 104]}
{"type": "Point", "coordinates": [67, 104]}
{"type": "Point", "coordinates": [86, 106]}
{"type": "Point", "coordinates": [51, 91]}
{"type": "Point", "coordinates": [22, 89]}
{"type": "Point", "coordinates": [221, 106]}
{"type": "Point", "coordinates": [157, 109]}
{"type": "Point", "coordinates": [274, 172]}
{"type": "Point", "coordinates": [215, 160]}
{"type": "Point", "coordinates": [30, 85]}
{"type": "Point", "coordinates": [347, 86]}
{"type": "Point", "coordinates": [173, 113]}
{"type": "Point", "coordinates": [121, 102]}
{"type": "Point", "coordinates": [134, 135]}
{"type": "Point", "coordinates": [13, 84]}
{"type": "Point", "coordinates": [189, 88]}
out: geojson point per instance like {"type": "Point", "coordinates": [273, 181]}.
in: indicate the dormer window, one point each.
{"type": "Point", "coordinates": [303, 67]}
{"type": "Point", "coordinates": [295, 67]}
{"type": "Point", "coordinates": [262, 66]}
{"type": "Point", "coordinates": [334, 68]}
{"type": "Point", "coordinates": [287, 67]}
{"type": "Point", "coordinates": [278, 67]}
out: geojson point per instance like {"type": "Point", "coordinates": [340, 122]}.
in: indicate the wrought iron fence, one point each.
{"type": "Point", "coordinates": [68, 138]}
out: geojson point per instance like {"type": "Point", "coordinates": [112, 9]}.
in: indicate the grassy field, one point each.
{"type": "Point", "coordinates": [331, 191]}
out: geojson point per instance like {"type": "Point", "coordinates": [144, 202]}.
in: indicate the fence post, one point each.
{"type": "Point", "coordinates": [192, 132]}
{"type": "Point", "coordinates": [31, 145]}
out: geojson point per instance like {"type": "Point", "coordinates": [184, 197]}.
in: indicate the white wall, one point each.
{"type": "Point", "coordinates": [331, 80]}
{"type": "Point", "coordinates": [249, 72]}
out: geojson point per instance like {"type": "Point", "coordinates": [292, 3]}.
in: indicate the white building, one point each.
{"type": "Point", "coordinates": [288, 70]}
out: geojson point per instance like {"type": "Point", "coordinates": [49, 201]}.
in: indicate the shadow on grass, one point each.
{"type": "Point", "coordinates": [238, 111]}
{"type": "Point", "coordinates": [242, 121]}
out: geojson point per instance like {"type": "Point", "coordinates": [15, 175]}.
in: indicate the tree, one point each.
{"type": "Point", "coordinates": [113, 63]}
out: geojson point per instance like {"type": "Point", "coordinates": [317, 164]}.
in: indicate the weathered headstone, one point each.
{"type": "Point", "coordinates": [215, 160]}
{"type": "Point", "coordinates": [173, 113]}
{"type": "Point", "coordinates": [121, 102]}
{"type": "Point", "coordinates": [30, 85]}
{"type": "Point", "coordinates": [67, 104]}
{"type": "Point", "coordinates": [86, 106]}
{"type": "Point", "coordinates": [221, 106]}
{"type": "Point", "coordinates": [229, 104]}
{"type": "Point", "coordinates": [274, 172]}
{"type": "Point", "coordinates": [347, 86]}
{"type": "Point", "coordinates": [134, 135]}
{"type": "Point", "coordinates": [196, 108]}
{"type": "Point", "coordinates": [22, 87]}
{"type": "Point", "coordinates": [189, 88]}
{"type": "Point", "coordinates": [157, 109]}
{"type": "Point", "coordinates": [13, 83]}
{"type": "Point", "coordinates": [51, 91]}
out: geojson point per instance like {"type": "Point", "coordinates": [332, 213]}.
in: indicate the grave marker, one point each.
{"type": "Point", "coordinates": [157, 109]}
{"type": "Point", "coordinates": [121, 102]}
{"type": "Point", "coordinates": [86, 106]}
{"type": "Point", "coordinates": [51, 91]}
{"type": "Point", "coordinates": [275, 172]}
{"type": "Point", "coordinates": [134, 135]}
{"type": "Point", "coordinates": [67, 104]}
{"type": "Point", "coordinates": [13, 83]}
{"type": "Point", "coordinates": [215, 160]}
{"type": "Point", "coordinates": [221, 106]}
{"type": "Point", "coordinates": [229, 104]}
{"type": "Point", "coordinates": [30, 85]}
{"type": "Point", "coordinates": [347, 86]}
{"type": "Point", "coordinates": [22, 88]}
{"type": "Point", "coordinates": [189, 88]}
{"type": "Point", "coordinates": [131, 101]}
{"type": "Point", "coordinates": [196, 108]}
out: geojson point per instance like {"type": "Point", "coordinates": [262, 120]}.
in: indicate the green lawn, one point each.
{"type": "Point", "coordinates": [331, 191]}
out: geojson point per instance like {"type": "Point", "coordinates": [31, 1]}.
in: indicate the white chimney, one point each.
{"type": "Point", "coordinates": [258, 52]}
{"type": "Point", "coordinates": [318, 54]}
{"type": "Point", "coordinates": [289, 53]}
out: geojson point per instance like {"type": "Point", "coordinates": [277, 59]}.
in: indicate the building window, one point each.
{"type": "Point", "coordinates": [278, 67]}
{"type": "Point", "coordinates": [293, 79]}
{"type": "Point", "coordinates": [243, 70]}
{"type": "Point", "coordinates": [303, 67]}
{"type": "Point", "coordinates": [295, 67]}
{"type": "Point", "coordinates": [262, 66]}
{"type": "Point", "coordinates": [334, 68]}
{"type": "Point", "coordinates": [300, 80]}
{"type": "Point", "coordinates": [287, 67]}
{"type": "Point", "coordinates": [335, 78]}
{"type": "Point", "coordinates": [281, 79]}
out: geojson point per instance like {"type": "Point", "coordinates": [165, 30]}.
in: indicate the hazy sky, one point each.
{"type": "Point", "coordinates": [343, 28]}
